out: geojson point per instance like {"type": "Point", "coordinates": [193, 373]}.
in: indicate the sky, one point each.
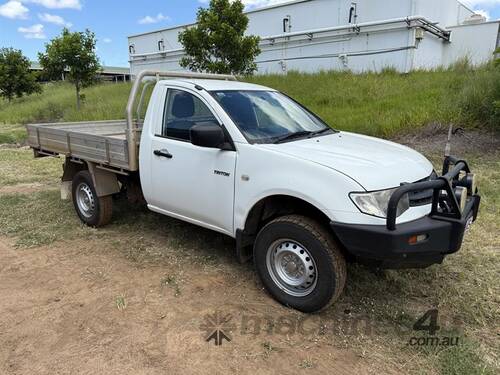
{"type": "Point", "coordinates": [29, 24]}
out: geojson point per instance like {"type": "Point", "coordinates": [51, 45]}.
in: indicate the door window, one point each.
{"type": "Point", "coordinates": [182, 111]}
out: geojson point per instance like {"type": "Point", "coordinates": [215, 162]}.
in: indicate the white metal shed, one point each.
{"type": "Point", "coordinates": [359, 35]}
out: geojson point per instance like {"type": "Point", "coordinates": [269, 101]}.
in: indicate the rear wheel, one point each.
{"type": "Point", "coordinates": [299, 263]}
{"type": "Point", "coordinates": [93, 210]}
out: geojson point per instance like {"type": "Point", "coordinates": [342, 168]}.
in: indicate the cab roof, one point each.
{"type": "Point", "coordinates": [219, 85]}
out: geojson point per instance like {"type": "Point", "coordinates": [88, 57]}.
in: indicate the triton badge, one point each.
{"type": "Point", "coordinates": [221, 173]}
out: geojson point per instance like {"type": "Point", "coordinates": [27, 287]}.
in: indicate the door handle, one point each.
{"type": "Point", "coordinates": [163, 153]}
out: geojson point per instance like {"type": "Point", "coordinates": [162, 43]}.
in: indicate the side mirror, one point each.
{"type": "Point", "coordinates": [209, 135]}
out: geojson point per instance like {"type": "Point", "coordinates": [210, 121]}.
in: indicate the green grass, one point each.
{"type": "Point", "coordinates": [380, 104]}
{"type": "Point", "coordinates": [388, 103]}
{"type": "Point", "coordinates": [463, 359]}
{"type": "Point", "coordinates": [121, 303]}
{"type": "Point", "coordinates": [12, 134]}
{"type": "Point", "coordinates": [57, 102]}
{"type": "Point", "coordinates": [479, 100]}
{"type": "Point", "coordinates": [374, 104]}
{"type": "Point", "coordinates": [17, 166]}
{"type": "Point", "coordinates": [40, 218]}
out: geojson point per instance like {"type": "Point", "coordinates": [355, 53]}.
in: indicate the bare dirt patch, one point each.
{"type": "Point", "coordinates": [79, 307]}
{"type": "Point", "coordinates": [25, 188]}
{"type": "Point", "coordinates": [9, 146]}
{"type": "Point", "coordinates": [431, 140]}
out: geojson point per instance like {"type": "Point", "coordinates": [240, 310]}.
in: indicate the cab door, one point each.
{"type": "Point", "coordinates": [190, 182]}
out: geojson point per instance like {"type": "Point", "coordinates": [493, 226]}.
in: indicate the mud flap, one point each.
{"type": "Point", "coordinates": [66, 190]}
{"type": "Point", "coordinates": [244, 246]}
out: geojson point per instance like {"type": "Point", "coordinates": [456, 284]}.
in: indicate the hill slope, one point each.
{"type": "Point", "coordinates": [376, 104]}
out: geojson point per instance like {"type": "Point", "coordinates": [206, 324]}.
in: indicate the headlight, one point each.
{"type": "Point", "coordinates": [376, 202]}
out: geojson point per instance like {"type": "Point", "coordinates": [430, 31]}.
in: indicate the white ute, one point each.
{"type": "Point", "coordinates": [250, 162]}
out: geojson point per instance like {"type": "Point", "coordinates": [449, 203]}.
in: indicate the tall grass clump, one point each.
{"type": "Point", "coordinates": [379, 104]}
{"type": "Point", "coordinates": [477, 103]}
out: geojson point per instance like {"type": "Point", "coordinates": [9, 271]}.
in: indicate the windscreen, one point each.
{"type": "Point", "coordinates": [265, 116]}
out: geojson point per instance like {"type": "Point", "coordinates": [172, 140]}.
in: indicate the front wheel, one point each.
{"type": "Point", "coordinates": [299, 263]}
{"type": "Point", "coordinates": [92, 210]}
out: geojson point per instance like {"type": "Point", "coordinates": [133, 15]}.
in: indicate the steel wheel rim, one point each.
{"type": "Point", "coordinates": [291, 267]}
{"type": "Point", "coordinates": [85, 200]}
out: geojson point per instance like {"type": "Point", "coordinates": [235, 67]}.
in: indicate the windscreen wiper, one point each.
{"type": "Point", "coordinates": [291, 136]}
{"type": "Point", "coordinates": [323, 131]}
{"type": "Point", "coordinates": [302, 133]}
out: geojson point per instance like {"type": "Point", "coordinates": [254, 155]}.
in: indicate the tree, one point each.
{"type": "Point", "coordinates": [73, 56]}
{"type": "Point", "coordinates": [16, 78]}
{"type": "Point", "coordinates": [217, 43]}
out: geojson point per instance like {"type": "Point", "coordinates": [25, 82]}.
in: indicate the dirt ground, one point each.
{"type": "Point", "coordinates": [145, 295]}
{"type": "Point", "coordinates": [79, 307]}
{"type": "Point", "coordinates": [432, 140]}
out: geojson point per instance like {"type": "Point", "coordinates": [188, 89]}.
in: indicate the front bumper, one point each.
{"type": "Point", "coordinates": [389, 246]}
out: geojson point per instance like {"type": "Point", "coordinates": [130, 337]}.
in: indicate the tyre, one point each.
{"type": "Point", "coordinates": [92, 210]}
{"type": "Point", "coordinates": [299, 263]}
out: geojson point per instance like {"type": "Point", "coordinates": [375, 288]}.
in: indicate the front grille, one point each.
{"type": "Point", "coordinates": [422, 197]}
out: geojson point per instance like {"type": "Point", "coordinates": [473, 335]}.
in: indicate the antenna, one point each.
{"type": "Point", "coordinates": [447, 148]}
